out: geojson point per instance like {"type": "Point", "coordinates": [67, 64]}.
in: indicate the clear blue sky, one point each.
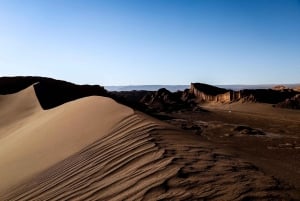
{"type": "Point", "coordinates": [152, 42]}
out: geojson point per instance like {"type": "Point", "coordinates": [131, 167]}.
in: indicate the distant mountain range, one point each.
{"type": "Point", "coordinates": [171, 88]}
{"type": "Point", "coordinates": [174, 88]}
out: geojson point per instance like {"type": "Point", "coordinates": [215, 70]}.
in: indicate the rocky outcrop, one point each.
{"type": "Point", "coordinates": [131, 98]}
{"type": "Point", "coordinates": [207, 93]}
{"type": "Point", "coordinates": [195, 88]}
{"type": "Point", "coordinates": [267, 95]}
{"type": "Point", "coordinates": [246, 130]}
{"type": "Point", "coordinates": [291, 103]}
{"type": "Point", "coordinates": [188, 97]}
{"type": "Point", "coordinates": [164, 100]}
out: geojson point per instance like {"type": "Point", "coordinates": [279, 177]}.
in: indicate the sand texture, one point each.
{"type": "Point", "coordinates": [96, 149]}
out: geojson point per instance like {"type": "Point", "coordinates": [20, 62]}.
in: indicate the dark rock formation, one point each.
{"type": "Point", "coordinates": [131, 98]}
{"type": "Point", "coordinates": [267, 95]}
{"type": "Point", "coordinates": [164, 100]}
{"type": "Point", "coordinates": [207, 89]}
{"type": "Point", "coordinates": [291, 103]}
{"type": "Point", "coordinates": [246, 130]}
{"type": "Point", "coordinates": [207, 93]}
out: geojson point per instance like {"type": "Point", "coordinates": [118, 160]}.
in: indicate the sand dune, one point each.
{"type": "Point", "coordinates": [96, 149]}
{"type": "Point", "coordinates": [16, 108]}
{"type": "Point", "coordinates": [41, 139]}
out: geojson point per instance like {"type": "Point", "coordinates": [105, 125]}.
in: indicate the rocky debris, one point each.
{"type": "Point", "coordinates": [291, 103]}
{"type": "Point", "coordinates": [203, 124]}
{"type": "Point", "coordinates": [246, 130]}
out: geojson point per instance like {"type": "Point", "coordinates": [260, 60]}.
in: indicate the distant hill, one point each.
{"type": "Point", "coordinates": [174, 88]}
{"type": "Point", "coordinates": [258, 86]}
{"type": "Point", "coordinates": [171, 88]}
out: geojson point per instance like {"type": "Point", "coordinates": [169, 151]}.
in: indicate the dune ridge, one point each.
{"type": "Point", "coordinates": [35, 142]}
{"type": "Point", "coordinates": [96, 149]}
{"type": "Point", "coordinates": [17, 107]}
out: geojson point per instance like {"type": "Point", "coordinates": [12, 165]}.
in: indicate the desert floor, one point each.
{"type": "Point", "coordinates": [267, 137]}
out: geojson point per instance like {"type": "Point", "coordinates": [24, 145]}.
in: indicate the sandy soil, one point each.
{"type": "Point", "coordinates": [96, 149]}
{"type": "Point", "coordinates": [274, 147]}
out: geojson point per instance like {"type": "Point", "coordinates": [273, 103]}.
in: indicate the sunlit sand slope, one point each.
{"type": "Point", "coordinates": [38, 139]}
{"type": "Point", "coordinates": [96, 149]}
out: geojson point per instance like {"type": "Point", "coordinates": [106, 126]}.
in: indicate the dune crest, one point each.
{"type": "Point", "coordinates": [17, 108]}
{"type": "Point", "coordinates": [43, 138]}
{"type": "Point", "coordinates": [96, 149]}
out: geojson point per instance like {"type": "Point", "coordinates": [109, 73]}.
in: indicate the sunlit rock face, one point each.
{"type": "Point", "coordinates": [207, 93]}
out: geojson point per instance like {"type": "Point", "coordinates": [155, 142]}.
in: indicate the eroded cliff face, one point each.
{"type": "Point", "coordinates": [207, 93]}
{"type": "Point", "coordinates": [202, 97]}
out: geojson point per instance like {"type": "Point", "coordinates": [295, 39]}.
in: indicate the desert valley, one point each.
{"type": "Point", "coordinates": [112, 100]}
{"type": "Point", "coordinates": [63, 141]}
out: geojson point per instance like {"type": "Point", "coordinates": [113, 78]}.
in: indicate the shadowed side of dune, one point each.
{"type": "Point", "coordinates": [50, 92]}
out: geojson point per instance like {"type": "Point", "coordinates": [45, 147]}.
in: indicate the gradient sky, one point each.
{"type": "Point", "coordinates": [130, 42]}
